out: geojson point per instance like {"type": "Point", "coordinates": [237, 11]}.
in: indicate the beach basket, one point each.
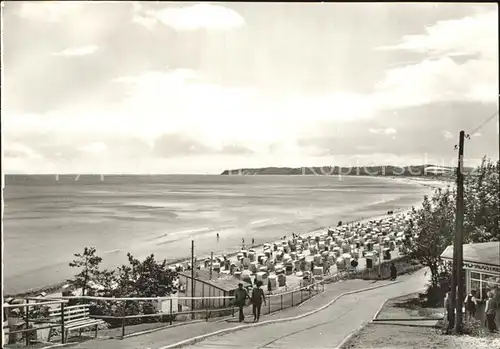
{"type": "Point", "coordinates": [345, 248]}
{"type": "Point", "coordinates": [387, 253]}
{"type": "Point", "coordinates": [216, 267]}
{"type": "Point", "coordinates": [340, 263]}
{"type": "Point", "coordinates": [272, 283]}
{"type": "Point", "coordinates": [281, 280]}
{"type": "Point", "coordinates": [253, 267]}
{"type": "Point", "coordinates": [246, 275]}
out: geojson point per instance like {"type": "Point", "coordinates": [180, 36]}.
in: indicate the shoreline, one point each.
{"type": "Point", "coordinates": [435, 184]}
{"type": "Point", "coordinates": [57, 288]}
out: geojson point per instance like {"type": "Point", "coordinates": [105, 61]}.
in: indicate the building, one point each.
{"type": "Point", "coordinates": [206, 286]}
{"type": "Point", "coordinates": [481, 264]}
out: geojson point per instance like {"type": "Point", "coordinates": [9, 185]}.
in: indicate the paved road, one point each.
{"type": "Point", "coordinates": [325, 329]}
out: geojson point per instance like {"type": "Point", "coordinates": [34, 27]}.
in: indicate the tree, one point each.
{"type": "Point", "coordinates": [150, 278]}
{"type": "Point", "coordinates": [435, 222]}
{"type": "Point", "coordinates": [482, 209]}
{"type": "Point", "coordinates": [89, 262]}
{"type": "Point", "coordinates": [433, 231]}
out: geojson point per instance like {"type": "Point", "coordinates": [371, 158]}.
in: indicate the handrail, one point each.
{"type": "Point", "coordinates": [33, 304]}
{"type": "Point", "coordinates": [135, 298]}
{"type": "Point", "coordinates": [168, 298]}
{"type": "Point", "coordinates": [160, 314]}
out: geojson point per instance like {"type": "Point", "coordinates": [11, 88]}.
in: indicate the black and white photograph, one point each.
{"type": "Point", "coordinates": [251, 175]}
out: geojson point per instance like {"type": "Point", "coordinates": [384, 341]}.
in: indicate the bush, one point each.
{"type": "Point", "coordinates": [474, 328]}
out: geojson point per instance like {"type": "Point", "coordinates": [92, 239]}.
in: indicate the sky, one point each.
{"type": "Point", "coordinates": [157, 87]}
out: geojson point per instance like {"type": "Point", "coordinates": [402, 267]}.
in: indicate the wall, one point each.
{"type": "Point", "coordinates": [201, 289]}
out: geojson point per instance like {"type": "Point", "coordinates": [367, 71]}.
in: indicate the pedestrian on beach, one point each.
{"type": "Point", "coordinates": [217, 237]}
{"type": "Point", "coordinates": [253, 241]}
{"type": "Point", "coordinates": [257, 299]}
{"type": "Point", "coordinates": [240, 297]}
{"type": "Point", "coordinates": [394, 272]}
{"type": "Point", "coordinates": [471, 305]}
{"type": "Point", "coordinates": [490, 312]}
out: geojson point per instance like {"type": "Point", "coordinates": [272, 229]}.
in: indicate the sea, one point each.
{"type": "Point", "coordinates": [49, 218]}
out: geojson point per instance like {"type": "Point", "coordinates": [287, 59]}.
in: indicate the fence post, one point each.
{"type": "Point", "coordinates": [282, 301]}
{"type": "Point", "coordinates": [62, 324]}
{"type": "Point", "coordinates": [27, 313]}
{"type": "Point", "coordinates": [123, 320]}
{"type": "Point", "coordinates": [171, 310]}
{"type": "Point", "coordinates": [292, 298]}
{"type": "Point", "coordinates": [269, 304]}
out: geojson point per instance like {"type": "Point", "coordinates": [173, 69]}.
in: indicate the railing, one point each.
{"type": "Point", "coordinates": [122, 323]}
{"type": "Point", "coordinates": [27, 331]}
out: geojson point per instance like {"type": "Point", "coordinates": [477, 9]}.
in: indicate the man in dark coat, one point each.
{"type": "Point", "coordinates": [257, 299]}
{"type": "Point", "coordinates": [240, 297]}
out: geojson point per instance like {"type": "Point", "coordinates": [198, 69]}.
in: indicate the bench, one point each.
{"type": "Point", "coordinates": [76, 317]}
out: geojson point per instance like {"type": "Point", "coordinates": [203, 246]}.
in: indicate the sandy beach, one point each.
{"type": "Point", "coordinates": [232, 252]}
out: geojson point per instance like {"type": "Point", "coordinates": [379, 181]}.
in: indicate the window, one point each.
{"type": "Point", "coordinates": [482, 283]}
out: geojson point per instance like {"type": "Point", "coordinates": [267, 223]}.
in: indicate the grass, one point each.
{"type": "Point", "coordinates": [382, 335]}
{"type": "Point", "coordinates": [408, 306]}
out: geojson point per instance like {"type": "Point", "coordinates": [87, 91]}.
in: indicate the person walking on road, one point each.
{"type": "Point", "coordinates": [394, 272]}
{"type": "Point", "coordinates": [240, 297]}
{"type": "Point", "coordinates": [490, 312]}
{"type": "Point", "coordinates": [257, 299]}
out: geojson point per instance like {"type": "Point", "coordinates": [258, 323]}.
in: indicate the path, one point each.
{"type": "Point", "coordinates": [325, 329]}
{"type": "Point", "coordinates": [169, 336]}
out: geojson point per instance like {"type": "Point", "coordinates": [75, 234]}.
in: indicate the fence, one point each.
{"type": "Point", "coordinates": [122, 325]}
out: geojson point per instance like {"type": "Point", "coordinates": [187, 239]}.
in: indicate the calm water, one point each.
{"type": "Point", "coordinates": [46, 220]}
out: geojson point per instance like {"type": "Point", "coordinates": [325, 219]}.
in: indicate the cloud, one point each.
{"type": "Point", "coordinates": [19, 150]}
{"type": "Point", "coordinates": [461, 64]}
{"type": "Point", "coordinates": [48, 11]}
{"type": "Point", "coordinates": [96, 147]}
{"type": "Point", "coordinates": [448, 135]}
{"type": "Point", "coordinates": [469, 35]}
{"type": "Point", "coordinates": [387, 131]}
{"type": "Point", "coordinates": [77, 51]}
{"type": "Point", "coordinates": [189, 18]}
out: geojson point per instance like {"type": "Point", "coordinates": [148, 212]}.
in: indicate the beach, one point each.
{"type": "Point", "coordinates": [47, 221]}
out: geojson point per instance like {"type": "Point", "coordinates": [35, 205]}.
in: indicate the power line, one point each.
{"type": "Point", "coordinates": [488, 119]}
{"type": "Point", "coordinates": [483, 124]}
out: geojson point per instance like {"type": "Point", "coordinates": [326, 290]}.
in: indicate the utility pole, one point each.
{"type": "Point", "coordinates": [498, 166]}
{"type": "Point", "coordinates": [459, 230]}
{"type": "Point", "coordinates": [192, 279]}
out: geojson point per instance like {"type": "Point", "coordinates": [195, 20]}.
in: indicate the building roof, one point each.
{"type": "Point", "coordinates": [483, 253]}
{"type": "Point", "coordinates": [201, 274]}
{"type": "Point", "coordinates": [227, 283]}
